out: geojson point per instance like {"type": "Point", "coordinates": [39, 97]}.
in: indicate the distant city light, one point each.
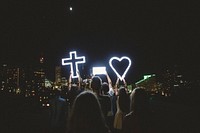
{"type": "Point", "coordinates": [121, 77]}
{"type": "Point", "coordinates": [73, 61]}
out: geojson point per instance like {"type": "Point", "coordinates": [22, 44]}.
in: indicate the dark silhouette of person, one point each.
{"type": "Point", "coordinates": [72, 93]}
{"type": "Point", "coordinates": [86, 115]}
{"type": "Point", "coordinates": [105, 101]}
{"type": "Point", "coordinates": [105, 88]}
{"type": "Point", "coordinates": [105, 93]}
{"type": "Point", "coordinates": [110, 115]}
{"type": "Point", "coordinates": [116, 91]}
{"type": "Point", "coordinates": [58, 113]}
{"type": "Point", "coordinates": [73, 89]}
{"type": "Point", "coordinates": [123, 107]}
{"type": "Point", "coordinates": [138, 120]}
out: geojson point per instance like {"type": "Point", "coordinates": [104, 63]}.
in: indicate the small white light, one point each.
{"type": "Point", "coordinates": [98, 70]}
{"type": "Point", "coordinates": [70, 8]}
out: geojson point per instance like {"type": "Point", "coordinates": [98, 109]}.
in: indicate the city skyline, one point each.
{"type": "Point", "coordinates": [155, 35]}
{"type": "Point", "coordinates": [161, 38]}
{"type": "Point", "coordinates": [133, 75]}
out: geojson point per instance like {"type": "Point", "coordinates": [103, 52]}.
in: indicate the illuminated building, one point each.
{"type": "Point", "coordinates": [173, 81]}
{"type": "Point", "coordinates": [39, 82]}
{"type": "Point", "coordinates": [39, 78]}
{"type": "Point", "coordinates": [58, 75]}
{"type": "Point", "coordinates": [48, 83]}
{"type": "Point", "coordinates": [150, 83]}
{"type": "Point", "coordinates": [60, 82]}
{"type": "Point", "coordinates": [30, 89]}
{"type": "Point", "coordinates": [12, 79]}
{"type": "Point", "coordinates": [3, 77]}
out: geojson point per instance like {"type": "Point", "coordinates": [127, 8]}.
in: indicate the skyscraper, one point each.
{"type": "Point", "coordinates": [58, 74]}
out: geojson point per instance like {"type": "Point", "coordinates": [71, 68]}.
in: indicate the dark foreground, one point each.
{"type": "Point", "coordinates": [18, 116]}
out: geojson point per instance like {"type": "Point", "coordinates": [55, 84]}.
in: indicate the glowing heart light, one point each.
{"type": "Point", "coordinates": [121, 77]}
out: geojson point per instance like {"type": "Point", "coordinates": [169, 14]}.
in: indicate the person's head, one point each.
{"type": "Point", "coordinates": [139, 100]}
{"type": "Point", "coordinates": [124, 101]}
{"type": "Point", "coordinates": [105, 88]}
{"type": "Point", "coordinates": [86, 115]}
{"type": "Point", "coordinates": [96, 83]}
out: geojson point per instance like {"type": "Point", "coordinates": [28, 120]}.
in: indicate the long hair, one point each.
{"type": "Point", "coordinates": [124, 101]}
{"type": "Point", "coordinates": [86, 115]}
{"type": "Point", "coordinates": [140, 110]}
{"type": "Point", "coordinates": [96, 83]}
{"type": "Point", "coordinates": [139, 101]}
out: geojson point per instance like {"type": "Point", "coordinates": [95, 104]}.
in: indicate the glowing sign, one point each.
{"type": "Point", "coordinates": [73, 61]}
{"type": "Point", "coordinates": [121, 77]}
{"type": "Point", "coordinates": [98, 70]}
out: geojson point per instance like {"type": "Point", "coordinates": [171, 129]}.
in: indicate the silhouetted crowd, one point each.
{"type": "Point", "coordinates": [100, 107]}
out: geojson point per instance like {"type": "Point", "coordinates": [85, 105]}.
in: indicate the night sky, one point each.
{"type": "Point", "coordinates": [154, 34]}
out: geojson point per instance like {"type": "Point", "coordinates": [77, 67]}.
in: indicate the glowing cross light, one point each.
{"type": "Point", "coordinates": [121, 77]}
{"type": "Point", "coordinates": [73, 61]}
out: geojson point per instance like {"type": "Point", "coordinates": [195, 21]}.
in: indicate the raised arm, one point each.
{"type": "Point", "coordinates": [70, 80]}
{"type": "Point", "coordinates": [79, 80]}
{"type": "Point", "coordinates": [125, 84]}
{"type": "Point", "coordinates": [117, 83]}
{"type": "Point", "coordinates": [116, 86]}
{"type": "Point", "coordinates": [109, 80]}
